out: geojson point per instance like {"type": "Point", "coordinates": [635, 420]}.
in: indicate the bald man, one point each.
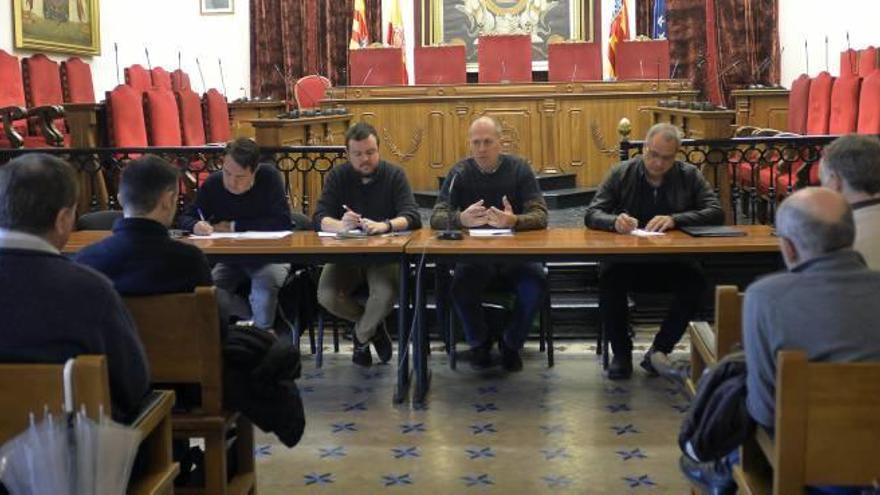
{"type": "Point", "coordinates": [826, 304]}
{"type": "Point", "coordinates": [493, 190]}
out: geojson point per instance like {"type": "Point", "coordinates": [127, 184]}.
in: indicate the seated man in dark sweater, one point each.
{"type": "Point", "coordinates": [371, 195]}
{"type": "Point", "coordinates": [244, 196]}
{"type": "Point", "coordinates": [54, 309]}
{"type": "Point", "coordinates": [500, 191]}
{"type": "Point", "coordinates": [140, 257]}
{"type": "Point", "coordinates": [654, 192]}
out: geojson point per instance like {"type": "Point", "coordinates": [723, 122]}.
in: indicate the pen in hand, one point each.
{"type": "Point", "coordinates": [201, 215]}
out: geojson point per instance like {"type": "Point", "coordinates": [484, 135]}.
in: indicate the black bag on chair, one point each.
{"type": "Point", "coordinates": [718, 421]}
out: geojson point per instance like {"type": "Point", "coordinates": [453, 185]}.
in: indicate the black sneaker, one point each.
{"type": "Point", "coordinates": [621, 367]}
{"type": "Point", "coordinates": [510, 358]}
{"type": "Point", "coordinates": [481, 358]}
{"type": "Point", "coordinates": [382, 343]}
{"type": "Point", "coordinates": [361, 355]}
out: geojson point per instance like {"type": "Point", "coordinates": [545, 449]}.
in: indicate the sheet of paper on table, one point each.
{"type": "Point", "coordinates": [245, 235]}
{"type": "Point", "coordinates": [490, 232]}
{"type": "Point", "coordinates": [645, 233]}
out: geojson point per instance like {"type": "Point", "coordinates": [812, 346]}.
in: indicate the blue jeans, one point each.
{"type": "Point", "coordinates": [470, 281]}
{"type": "Point", "coordinates": [266, 280]}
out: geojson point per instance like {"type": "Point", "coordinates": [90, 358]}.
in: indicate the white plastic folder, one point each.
{"type": "Point", "coordinates": [490, 233]}
{"type": "Point", "coordinates": [281, 234]}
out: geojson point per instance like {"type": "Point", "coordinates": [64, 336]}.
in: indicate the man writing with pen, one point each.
{"type": "Point", "coordinates": [370, 196]}
{"type": "Point", "coordinates": [244, 196]}
{"type": "Point", "coordinates": [491, 189]}
{"type": "Point", "coordinates": [654, 192]}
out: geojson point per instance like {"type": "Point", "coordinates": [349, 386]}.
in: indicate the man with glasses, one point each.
{"type": "Point", "coordinates": [244, 196]}
{"type": "Point", "coordinates": [653, 192]}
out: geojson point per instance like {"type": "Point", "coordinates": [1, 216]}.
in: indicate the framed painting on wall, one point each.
{"type": "Point", "coordinates": [63, 26]}
{"type": "Point", "coordinates": [217, 6]}
{"type": "Point", "coordinates": [464, 21]}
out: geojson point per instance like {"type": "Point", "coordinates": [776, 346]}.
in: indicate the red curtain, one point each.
{"type": "Point", "coordinates": [374, 20]}
{"type": "Point", "coordinates": [721, 45]}
{"type": "Point", "coordinates": [300, 37]}
{"type": "Point", "coordinates": [644, 17]}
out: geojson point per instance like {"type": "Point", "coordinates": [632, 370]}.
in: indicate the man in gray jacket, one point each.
{"type": "Point", "coordinates": [825, 305]}
{"type": "Point", "coordinates": [654, 192]}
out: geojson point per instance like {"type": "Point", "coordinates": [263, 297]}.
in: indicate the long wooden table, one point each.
{"type": "Point", "coordinates": [307, 247]}
{"type": "Point", "coordinates": [567, 244]}
{"type": "Point", "coordinates": [573, 244]}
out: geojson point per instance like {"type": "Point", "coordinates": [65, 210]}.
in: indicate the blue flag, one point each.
{"type": "Point", "coordinates": [659, 24]}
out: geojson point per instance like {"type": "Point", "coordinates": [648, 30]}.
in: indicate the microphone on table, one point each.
{"type": "Point", "coordinates": [503, 71]}
{"type": "Point", "coordinates": [367, 76]}
{"type": "Point", "coordinates": [450, 234]}
{"type": "Point", "coordinates": [642, 67]}
{"type": "Point", "coordinates": [674, 70]}
{"type": "Point", "coordinates": [574, 72]}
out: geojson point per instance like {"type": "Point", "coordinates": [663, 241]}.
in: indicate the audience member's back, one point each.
{"type": "Point", "coordinates": [52, 308]}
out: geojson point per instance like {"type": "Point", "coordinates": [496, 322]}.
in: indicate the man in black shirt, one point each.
{"type": "Point", "coordinates": [654, 192]}
{"type": "Point", "coordinates": [491, 189]}
{"type": "Point", "coordinates": [244, 196]}
{"type": "Point", "coordinates": [372, 196]}
{"type": "Point", "coordinates": [140, 258]}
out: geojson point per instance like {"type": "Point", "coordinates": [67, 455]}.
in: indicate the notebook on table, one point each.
{"type": "Point", "coordinates": [713, 231]}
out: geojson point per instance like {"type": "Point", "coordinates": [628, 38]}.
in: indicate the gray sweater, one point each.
{"type": "Point", "coordinates": [827, 307]}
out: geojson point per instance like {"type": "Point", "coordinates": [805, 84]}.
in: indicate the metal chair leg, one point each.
{"type": "Point", "coordinates": [319, 359]}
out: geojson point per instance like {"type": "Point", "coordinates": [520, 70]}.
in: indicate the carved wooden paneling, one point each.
{"type": "Point", "coordinates": [551, 125]}
{"type": "Point", "coordinates": [764, 108]}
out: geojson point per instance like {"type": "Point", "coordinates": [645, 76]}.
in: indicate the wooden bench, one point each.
{"type": "Point", "coordinates": [181, 336]}
{"type": "Point", "coordinates": [29, 388]}
{"type": "Point", "coordinates": [709, 344]}
{"type": "Point", "coordinates": [827, 429]}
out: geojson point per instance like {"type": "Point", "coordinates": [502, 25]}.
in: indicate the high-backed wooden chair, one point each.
{"type": "Point", "coordinates": [192, 124]}
{"type": "Point", "coordinates": [76, 81]}
{"type": "Point", "coordinates": [125, 118]}
{"type": "Point", "coordinates": [181, 336]}
{"type": "Point", "coordinates": [162, 117]}
{"type": "Point", "coordinates": [709, 344]}
{"type": "Point", "coordinates": [826, 429]}
{"type": "Point", "coordinates": [869, 104]}
{"type": "Point", "coordinates": [14, 131]}
{"type": "Point", "coordinates": [27, 388]}
{"type": "Point", "coordinates": [216, 112]}
{"type": "Point", "coordinates": [42, 88]}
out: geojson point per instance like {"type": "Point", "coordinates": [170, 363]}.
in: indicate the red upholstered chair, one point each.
{"type": "Point", "coordinates": [125, 118]}
{"type": "Point", "coordinates": [440, 64]}
{"type": "Point", "coordinates": [798, 104]}
{"type": "Point", "coordinates": [869, 105]}
{"type": "Point", "coordinates": [138, 78]}
{"type": "Point", "coordinates": [76, 81]}
{"type": "Point", "coordinates": [14, 131]}
{"type": "Point", "coordinates": [160, 78]}
{"type": "Point", "coordinates": [42, 87]}
{"type": "Point", "coordinates": [162, 118]}
{"type": "Point", "coordinates": [216, 112]}
{"type": "Point", "coordinates": [309, 91]}
{"type": "Point", "coordinates": [844, 105]}
{"type": "Point", "coordinates": [578, 61]}
{"type": "Point", "coordinates": [192, 123]}
{"type": "Point", "coordinates": [643, 60]}
{"type": "Point", "coordinates": [819, 104]}
{"type": "Point", "coordinates": [849, 62]}
{"type": "Point", "coordinates": [505, 58]}
{"type": "Point", "coordinates": [869, 59]}
{"type": "Point", "coordinates": [380, 66]}
{"type": "Point", "coordinates": [180, 80]}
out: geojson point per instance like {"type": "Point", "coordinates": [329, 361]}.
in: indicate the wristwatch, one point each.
{"type": "Point", "coordinates": [390, 227]}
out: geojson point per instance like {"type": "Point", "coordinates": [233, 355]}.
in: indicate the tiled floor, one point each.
{"type": "Point", "coordinates": [566, 430]}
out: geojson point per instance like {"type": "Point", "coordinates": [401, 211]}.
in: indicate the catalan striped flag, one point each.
{"type": "Point", "coordinates": [360, 37]}
{"type": "Point", "coordinates": [619, 32]}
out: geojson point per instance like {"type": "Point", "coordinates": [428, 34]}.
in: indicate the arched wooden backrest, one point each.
{"type": "Point", "coordinates": [42, 81]}
{"type": "Point", "coordinates": [181, 337]}
{"type": "Point", "coordinates": [844, 105]}
{"type": "Point", "coordinates": [309, 91]}
{"type": "Point", "coordinates": [869, 104]}
{"type": "Point", "coordinates": [799, 104]}
{"type": "Point", "coordinates": [29, 388]}
{"type": "Point", "coordinates": [11, 85]}
{"type": "Point", "coordinates": [819, 106]}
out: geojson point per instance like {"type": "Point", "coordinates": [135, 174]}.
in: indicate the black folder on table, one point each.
{"type": "Point", "coordinates": [713, 231]}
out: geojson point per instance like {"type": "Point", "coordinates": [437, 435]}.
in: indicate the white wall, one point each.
{"type": "Point", "coordinates": [813, 20]}
{"type": "Point", "coordinates": [164, 27]}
